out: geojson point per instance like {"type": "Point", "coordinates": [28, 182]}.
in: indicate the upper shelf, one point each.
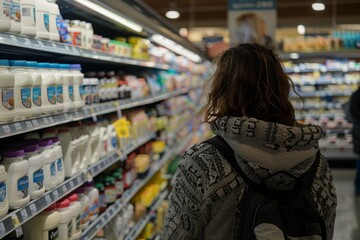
{"type": "Point", "coordinates": [320, 54]}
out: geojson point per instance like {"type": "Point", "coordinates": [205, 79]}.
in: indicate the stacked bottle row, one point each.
{"type": "Point", "coordinates": [31, 89]}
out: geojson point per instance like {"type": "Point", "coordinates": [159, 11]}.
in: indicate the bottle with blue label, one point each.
{"type": "Point", "coordinates": [68, 89]}
{"type": "Point", "coordinates": [60, 170]}
{"type": "Point", "coordinates": [50, 161]}
{"type": "Point", "coordinates": [54, 69]}
{"type": "Point", "coordinates": [48, 89]}
{"type": "Point", "coordinates": [4, 202]}
{"type": "Point", "coordinates": [22, 89]}
{"type": "Point", "coordinates": [17, 169]}
{"type": "Point", "coordinates": [7, 101]}
{"type": "Point", "coordinates": [36, 88]}
{"type": "Point", "coordinates": [42, 20]}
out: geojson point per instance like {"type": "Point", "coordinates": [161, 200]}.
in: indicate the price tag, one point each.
{"type": "Point", "coordinates": [45, 120]}
{"type": "Point", "coordinates": [17, 126]}
{"type": "Point", "coordinates": [27, 41]}
{"type": "Point", "coordinates": [64, 188]}
{"type": "Point", "coordinates": [15, 219]}
{"type": "Point", "coordinates": [35, 122]}
{"type": "Point", "coordinates": [40, 43]}
{"type": "Point", "coordinates": [51, 119]}
{"type": "Point", "coordinates": [6, 129]}
{"type": "Point", "coordinates": [33, 209]}
{"type": "Point", "coordinates": [56, 194]}
{"type": "Point", "coordinates": [47, 199]}
{"type": "Point", "coordinates": [54, 45]}
{"type": "Point", "coordinates": [67, 48]}
{"type": "Point", "coordinates": [13, 38]}
{"type": "Point", "coordinates": [28, 125]}
{"type": "Point", "coordinates": [98, 226]}
{"type": "Point", "coordinates": [18, 232]}
{"type": "Point", "coordinates": [71, 184]}
{"type": "Point", "coordinates": [79, 179]}
{"type": "Point", "coordinates": [24, 214]}
{"type": "Point", "coordinates": [2, 229]}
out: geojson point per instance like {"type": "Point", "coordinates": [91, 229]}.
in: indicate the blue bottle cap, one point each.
{"type": "Point", "coordinates": [17, 63]}
{"type": "Point", "coordinates": [54, 65]}
{"type": "Point", "coordinates": [32, 64]}
{"type": "Point", "coordinates": [43, 65]}
{"type": "Point", "coordinates": [4, 62]}
{"type": "Point", "coordinates": [64, 66]}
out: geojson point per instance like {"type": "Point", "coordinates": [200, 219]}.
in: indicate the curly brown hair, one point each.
{"type": "Point", "coordinates": [250, 81]}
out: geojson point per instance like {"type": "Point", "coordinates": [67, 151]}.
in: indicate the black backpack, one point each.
{"type": "Point", "coordinates": [276, 214]}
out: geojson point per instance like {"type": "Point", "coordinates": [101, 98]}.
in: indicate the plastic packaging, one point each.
{"type": "Point", "coordinates": [50, 176]}
{"type": "Point", "coordinates": [89, 31]}
{"type": "Point", "coordinates": [7, 84]}
{"type": "Point", "coordinates": [5, 23]}
{"type": "Point", "coordinates": [93, 194]}
{"type": "Point", "coordinates": [48, 89]}
{"type": "Point", "coordinates": [75, 207]}
{"type": "Point", "coordinates": [68, 89]}
{"type": "Point", "coordinates": [36, 88]}
{"type": "Point", "coordinates": [54, 12]}
{"type": "Point", "coordinates": [22, 89]}
{"type": "Point", "coordinates": [28, 18]}
{"type": "Point", "coordinates": [93, 130]}
{"type": "Point", "coordinates": [65, 219]}
{"type": "Point", "coordinates": [36, 170]}
{"type": "Point", "coordinates": [58, 154]}
{"type": "Point", "coordinates": [119, 184]}
{"type": "Point", "coordinates": [110, 190]}
{"type": "Point", "coordinates": [78, 81]}
{"type": "Point", "coordinates": [4, 202]}
{"type": "Point", "coordinates": [71, 154]}
{"type": "Point", "coordinates": [43, 226]}
{"type": "Point", "coordinates": [42, 20]}
{"type": "Point", "coordinates": [75, 31]}
{"type": "Point", "coordinates": [15, 15]}
{"type": "Point", "coordinates": [87, 94]}
{"type": "Point", "coordinates": [17, 169]}
{"type": "Point", "coordinates": [102, 201]}
{"type": "Point", "coordinates": [54, 69]}
{"type": "Point", "coordinates": [85, 205]}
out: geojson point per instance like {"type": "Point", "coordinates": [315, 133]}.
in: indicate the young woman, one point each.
{"type": "Point", "coordinates": [249, 108]}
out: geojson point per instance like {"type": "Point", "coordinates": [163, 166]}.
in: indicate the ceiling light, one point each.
{"type": "Point", "coordinates": [301, 29]}
{"type": "Point", "coordinates": [111, 15]}
{"type": "Point", "coordinates": [318, 6]}
{"type": "Point", "coordinates": [169, 44]}
{"type": "Point", "coordinates": [172, 14]}
{"type": "Point", "coordinates": [183, 32]}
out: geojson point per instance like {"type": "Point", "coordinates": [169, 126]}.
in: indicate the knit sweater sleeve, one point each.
{"type": "Point", "coordinates": [183, 217]}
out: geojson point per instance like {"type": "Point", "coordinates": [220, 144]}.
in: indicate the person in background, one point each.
{"type": "Point", "coordinates": [249, 107]}
{"type": "Point", "coordinates": [355, 114]}
{"type": "Point", "coordinates": [252, 29]}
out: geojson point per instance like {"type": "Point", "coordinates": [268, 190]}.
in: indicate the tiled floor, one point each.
{"type": "Point", "coordinates": [347, 225]}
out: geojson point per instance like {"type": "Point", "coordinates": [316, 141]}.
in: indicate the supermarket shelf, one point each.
{"type": "Point", "coordinates": [319, 106]}
{"type": "Point", "coordinates": [339, 153]}
{"type": "Point", "coordinates": [325, 82]}
{"type": "Point", "coordinates": [318, 116]}
{"type": "Point", "coordinates": [48, 47]}
{"type": "Point", "coordinates": [15, 128]}
{"type": "Point", "coordinates": [114, 209]}
{"type": "Point", "coordinates": [352, 53]}
{"type": "Point", "coordinates": [138, 228]}
{"type": "Point", "coordinates": [322, 70]}
{"type": "Point", "coordinates": [323, 94]}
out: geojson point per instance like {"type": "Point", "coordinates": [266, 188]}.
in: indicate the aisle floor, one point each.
{"type": "Point", "coordinates": [347, 225]}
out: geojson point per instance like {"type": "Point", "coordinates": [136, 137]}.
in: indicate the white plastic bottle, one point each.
{"type": "Point", "coordinates": [95, 90]}
{"type": "Point", "coordinates": [54, 12]}
{"type": "Point", "coordinates": [93, 194]}
{"type": "Point", "coordinates": [43, 226]}
{"type": "Point", "coordinates": [54, 69]}
{"type": "Point", "coordinates": [36, 88]}
{"type": "Point", "coordinates": [68, 80]}
{"type": "Point", "coordinates": [75, 207]}
{"type": "Point", "coordinates": [94, 132]}
{"type": "Point", "coordinates": [4, 202]}
{"type": "Point", "coordinates": [50, 176]}
{"type": "Point", "coordinates": [112, 138]}
{"type": "Point", "coordinates": [103, 141]}
{"type": "Point", "coordinates": [22, 89]}
{"type": "Point", "coordinates": [78, 81]}
{"type": "Point", "coordinates": [42, 20]}
{"type": "Point", "coordinates": [28, 17]}
{"type": "Point", "coordinates": [17, 169]}
{"type": "Point", "coordinates": [87, 95]}
{"type": "Point", "coordinates": [76, 33]}
{"type": "Point", "coordinates": [36, 170]}
{"type": "Point", "coordinates": [7, 84]}
{"type": "Point", "coordinates": [89, 35]}
{"type": "Point", "coordinates": [65, 219]}
{"type": "Point", "coordinates": [71, 158]}
{"type": "Point", "coordinates": [85, 136]}
{"type": "Point", "coordinates": [60, 171]}
{"type": "Point", "coordinates": [5, 8]}
{"type": "Point", "coordinates": [85, 202]}
{"type": "Point", "coordinates": [48, 89]}
{"type": "Point", "coordinates": [15, 14]}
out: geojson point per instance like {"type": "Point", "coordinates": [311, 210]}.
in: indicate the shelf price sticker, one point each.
{"type": "Point", "coordinates": [33, 209]}
{"type": "Point", "coordinates": [47, 199]}
{"type": "Point", "coordinates": [15, 219]}
{"type": "Point", "coordinates": [45, 120]}
{"type": "Point", "coordinates": [17, 126]}
{"type": "Point", "coordinates": [28, 125]}
{"type": "Point", "coordinates": [24, 215]}
{"type": "Point", "coordinates": [64, 188]}
{"type": "Point", "coordinates": [2, 229]}
{"type": "Point", "coordinates": [35, 123]}
{"type": "Point", "coordinates": [6, 129]}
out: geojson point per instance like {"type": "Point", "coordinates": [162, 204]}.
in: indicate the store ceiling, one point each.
{"type": "Point", "coordinates": [213, 13]}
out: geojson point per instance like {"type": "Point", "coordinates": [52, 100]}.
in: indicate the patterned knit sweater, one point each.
{"type": "Point", "coordinates": [207, 191]}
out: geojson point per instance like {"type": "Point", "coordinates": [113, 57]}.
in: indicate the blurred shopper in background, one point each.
{"type": "Point", "coordinates": [355, 114]}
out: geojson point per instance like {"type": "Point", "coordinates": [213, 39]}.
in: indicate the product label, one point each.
{"type": "Point", "coordinates": [59, 165]}
{"type": "Point", "coordinates": [53, 169]}
{"type": "Point", "coordinates": [36, 96]}
{"type": "Point", "coordinates": [15, 13]}
{"type": "Point", "coordinates": [87, 92]}
{"type": "Point", "coordinates": [76, 38]}
{"type": "Point", "coordinates": [102, 201]}
{"type": "Point", "coordinates": [47, 22]}
{"type": "Point", "coordinates": [82, 92]}
{"type": "Point", "coordinates": [71, 92]}
{"type": "Point", "coordinates": [23, 186]}
{"type": "Point", "coordinates": [95, 93]}
{"type": "Point", "coordinates": [78, 225]}
{"type": "Point", "coordinates": [114, 142]}
{"type": "Point", "coordinates": [26, 97]}
{"type": "Point", "coordinates": [59, 94]}
{"type": "Point", "coordinates": [2, 192]}
{"type": "Point", "coordinates": [51, 93]}
{"type": "Point", "coordinates": [110, 195]}
{"type": "Point", "coordinates": [53, 234]}
{"type": "Point", "coordinates": [38, 179]}
{"type": "Point", "coordinates": [7, 98]}
{"type": "Point", "coordinates": [85, 215]}
{"type": "Point", "coordinates": [7, 8]}
{"type": "Point", "coordinates": [28, 11]}
{"type": "Point", "coordinates": [70, 227]}
{"type": "Point", "coordinates": [94, 208]}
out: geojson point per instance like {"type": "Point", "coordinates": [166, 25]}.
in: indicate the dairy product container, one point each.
{"type": "Point", "coordinates": [76, 32]}
{"type": "Point", "coordinates": [42, 20]}
{"type": "Point", "coordinates": [89, 35]}
{"type": "Point", "coordinates": [48, 89]}
{"type": "Point", "coordinates": [17, 169]}
{"type": "Point", "coordinates": [75, 207]}
{"type": "Point", "coordinates": [78, 81]}
{"type": "Point", "coordinates": [86, 138]}
{"type": "Point", "coordinates": [94, 132]}
{"type": "Point", "coordinates": [54, 69]}
{"type": "Point", "coordinates": [15, 15]}
{"type": "Point", "coordinates": [65, 219]}
{"type": "Point", "coordinates": [85, 205]}
{"type": "Point", "coordinates": [4, 202]}
{"type": "Point", "coordinates": [22, 89]}
{"type": "Point", "coordinates": [94, 82]}
{"type": "Point", "coordinates": [60, 171]}
{"type": "Point", "coordinates": [87, 95]}
{"type": "Point", "coordinates": [93, 194]}
{"type": "Point", "coordinates": [103, 141]}
{"type": "Point", "coordinates": [5, 8]}
{"type": "Point", "coordinates": [68, 94]}
{"type": "Point", "coordinates": [54, 12]}
{"type": "Point", "coordinates": [112, 138]}
{"type": "Point", "coordinates": [28, 17]}
{"type": "Point", "coordinates": [7, 84]}
{"type": "Point", "coordinates": [36, 88]}
{"type": "Point", "coordinates": [50, 175]}
{"type": "Point", "coordinates": [71, 152]}
{"type": "Point", "coordinates": [43, 226]}
{"type": "Point", "coordinates": [36, 170]}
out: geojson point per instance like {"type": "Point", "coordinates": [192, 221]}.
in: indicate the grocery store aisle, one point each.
{"type": "Point", "coordinates": [347, 225]}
